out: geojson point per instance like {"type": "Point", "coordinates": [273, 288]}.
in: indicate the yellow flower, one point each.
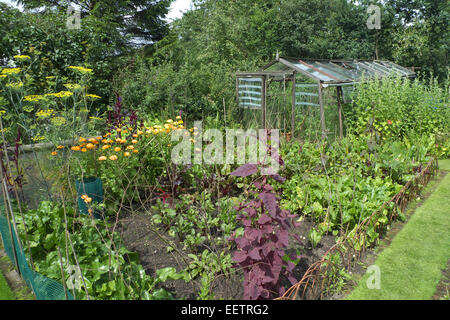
{"type": "Point", "coordinates": [81, 69]}
{"type": "Point", "coordinates": [135, 135]}
{"type": "Point", "coordinates": [82, 139]}
{"type": "Point", "coordinates": [119, 130]}
{"type": "Point", "coordinates": [50, 77]}
{"type": "Point", "coordinates": [117, 149]}
{"type": "Point", "coordinates": [73, 86]}
{"type": "Point", "coordinates": [107, 134]}
{"type": "Point", "coordinates": [123, 141]}
{"type": "Point", "coordinates": [83, 150]}
{"type": "Point", "coordinates": [11, 70]}
{"type": "Point", "coordinates": [33, 98]}
{"type": "Point", "coordinates": [130, 147]}
{"type": "Point", "coordinates": [2, 75]}
{"type": "Point", "coordinates": [90, 146]}
{"type": "Point", "coordinates": [178, 117]}
{"type": "Point", "coordinates": [134, 141]}
{"type": "Point", "coordinates": [61, 94]}
{"type": "Point", "coordinates": [93, 96]}
{"type": "Point", "coordinates": [54, 153]}
{"type": "Point", "coordinates": [106, 146]}
{"type": "Point", "coordinates": [102, 158]}
{"type": "Point", "coordinates": [126, 154]}
{"type": "Point", "coordinates": [17, 84]}
{"type": "Point", "coordinates": [169, 121]}
{"type": "Point", "coordinates": [135, 151]}
{"type": "Point", "coordinates": [60, 147]}
{"type": "Point", "coordinates": [139, 132]}
{"type": "Point", "coordinates": [113, 157]}
{"type": "Point", "coordinates": [75, 148]}
{"type": "Point", "coordinates": [45, 113]}
{"type": "Point", "coordinates": [93, 140]}
{"type": "Point", "coordinates": [22, 57]}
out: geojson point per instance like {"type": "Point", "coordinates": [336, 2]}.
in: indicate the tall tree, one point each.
{"type": "Point", "coordinates": [141, 19]}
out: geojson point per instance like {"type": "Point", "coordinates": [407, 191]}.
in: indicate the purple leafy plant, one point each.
{"type": "Point", "coordinates": [261, 248]}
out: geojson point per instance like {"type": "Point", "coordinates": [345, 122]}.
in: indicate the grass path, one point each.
{"type": "Point", "coordinates": [5, 291]}
{"type": "Point", "coordinates": [411, 267]}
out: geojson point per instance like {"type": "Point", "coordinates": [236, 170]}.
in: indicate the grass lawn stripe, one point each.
{"type": "Point", "coordinates": [412, 265]}
{"type": "Point", "coordinates": [5, 291]}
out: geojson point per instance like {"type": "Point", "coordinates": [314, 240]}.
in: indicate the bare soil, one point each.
{"type": "Point", "coordinates": [140, 236]}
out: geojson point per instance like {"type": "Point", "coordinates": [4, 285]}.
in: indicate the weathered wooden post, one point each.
{"type": "Point", "coordinates": [322, 111]}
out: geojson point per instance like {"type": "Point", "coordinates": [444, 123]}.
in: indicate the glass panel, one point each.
{"type": "Point", "coordinates": [315, 73]}
{"type": "Point", "coordinates": [348, 74]}
{"type": "Point", "coordinates": [329, 71]}
{"type": "Point", "coordinates": [250, 92]}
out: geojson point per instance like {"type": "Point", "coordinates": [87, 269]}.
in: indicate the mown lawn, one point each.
{"type": "Point", "coordinates": [411, 267]}
{"type": "Point", "coordinates": [5, 291]}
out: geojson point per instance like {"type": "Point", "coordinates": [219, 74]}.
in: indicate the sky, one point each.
{"type": "Point", "coordinates": [176, 10]}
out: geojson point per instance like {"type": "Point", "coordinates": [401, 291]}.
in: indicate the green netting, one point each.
{"type": "Point", "coordinates": [43, 287]}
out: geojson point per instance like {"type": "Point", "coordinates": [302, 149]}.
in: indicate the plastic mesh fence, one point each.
{"type": "Point", "coordinates": [43, 287]}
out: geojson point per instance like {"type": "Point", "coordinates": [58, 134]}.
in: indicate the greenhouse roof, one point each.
{"type": "Point", "coordinates": [335, 71]}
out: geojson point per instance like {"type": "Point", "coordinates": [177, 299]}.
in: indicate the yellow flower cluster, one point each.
{"type": "Point", "coordinates": [81, 69]}
{"type": "Point", "coordinates": [15, 85]}
{"type": "Point", "coordinates": [22, 57]}
{"type": "Point", "coordinates": [168, 127]}
{"type": "Point", "coordinates": [61, 94]}
{"type": "Point", "coordinates": [11, 70]}
{"type": "Point", "coordinates": [33, 98]}
{"type": "Point", "coordinates": [72, 86]}
{"type": "Point", "coordinates": [58, 121]}
{"type": "Point", "coordinates": [94, 96]}
{"type": "Point", "coordinates": [45, 113]}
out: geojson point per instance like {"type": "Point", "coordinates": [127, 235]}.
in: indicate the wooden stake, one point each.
{"type": "Point", "coordinates": [322, 112]}
{"type": "Point", "coordinates": [293, 105]}
{"type": "Point", "coordinates": [339, 94]}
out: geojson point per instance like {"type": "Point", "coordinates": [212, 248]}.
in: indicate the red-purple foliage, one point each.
{"type": "Point", "coordinates": [261, 248]}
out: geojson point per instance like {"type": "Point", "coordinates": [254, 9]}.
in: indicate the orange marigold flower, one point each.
{"type": "Point", "coordinates": [118, 130]}
{"type": "Point", "coordinates": [75, 148]}
{"type": "Point", "coordinates": [135, 135]}
{"type": "Point", "coordinates": [83, 150]}
{"type": "Point", "coordinates": [102, 158]}
{"type": "Point", "coordinates": [130, 147]}
{"type": "Point", "coordinates": [134, 141]}
{"type": "Point", "coordinates": [117, 149]}
{"type": "Point", "coordinates": [54, 153]}
{"type": "Point", "coordinates": [105, 141]}
{"type": "Point", "coordinates": [90, 146]}
{"type": "Point", "coordinates": [113, 157]}
{"type": "Point", "coordinates": [82, 139]}
{"type": "Point", "coordinates": [60, 147]}
{"type": "Point", "coordinates": [106, 146]}
{"type": "Point", "coordinates": [126, 154]}
{"type": "Point", "coordinates": [88, 199]}
{"type": "Point", "coordinates": [135, 151]}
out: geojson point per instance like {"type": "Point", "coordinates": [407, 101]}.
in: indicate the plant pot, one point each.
{"type": "Point", "coordinates": [93, 188]}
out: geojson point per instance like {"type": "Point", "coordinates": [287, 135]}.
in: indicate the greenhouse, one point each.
{"type": "Point", "coordinates": [308, 80]}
